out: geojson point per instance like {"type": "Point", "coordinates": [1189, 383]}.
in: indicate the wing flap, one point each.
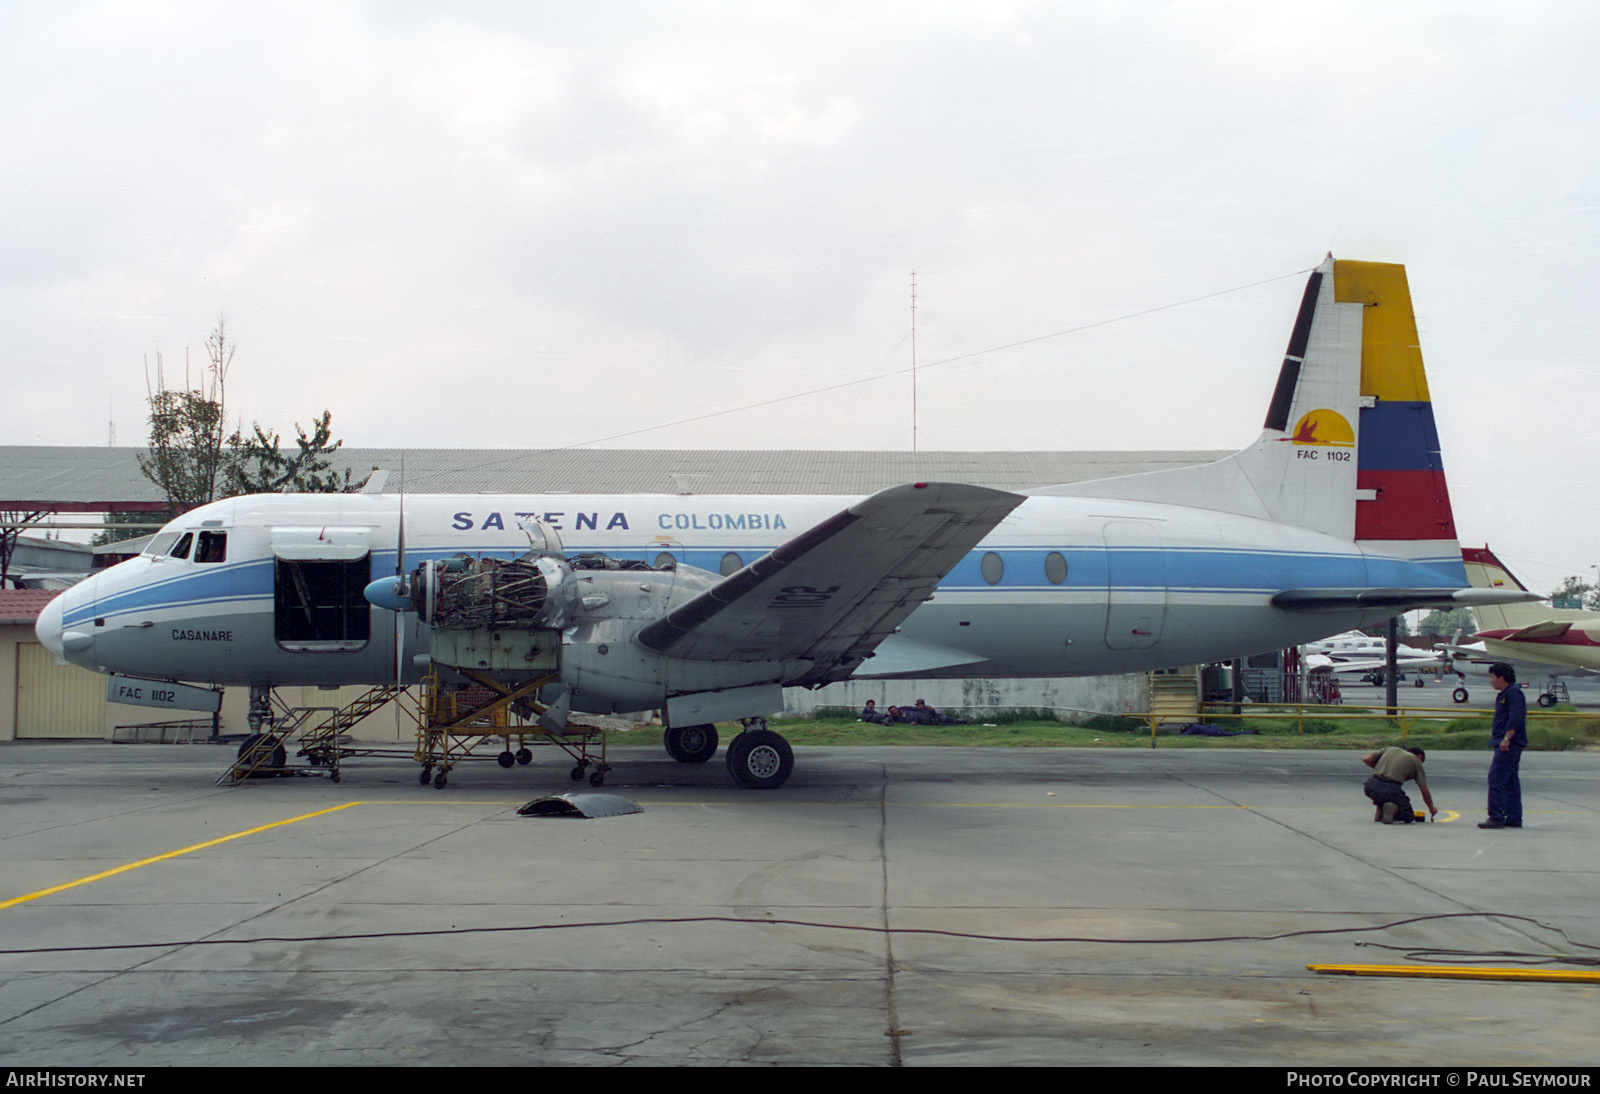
{"type": "Point", "coordinates": [832, 593]}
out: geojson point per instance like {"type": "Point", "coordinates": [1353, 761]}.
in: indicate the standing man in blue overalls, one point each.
{"type": "Point", "coordinates": [1509, 735]}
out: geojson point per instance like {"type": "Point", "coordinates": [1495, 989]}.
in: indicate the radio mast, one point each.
{"type": "Point", "coordinates": [913, 360]}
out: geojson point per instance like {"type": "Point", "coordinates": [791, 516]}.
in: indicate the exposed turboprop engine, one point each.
{"type": "Point", "coordinates": [534, 592]}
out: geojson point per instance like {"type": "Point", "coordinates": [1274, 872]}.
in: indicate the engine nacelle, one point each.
{"type": "Point", "coordinates": [529, 593]}
{"type": "Point", "coordinates": [610, 671]}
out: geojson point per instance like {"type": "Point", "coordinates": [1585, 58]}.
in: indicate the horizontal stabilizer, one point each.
{"type": "Point", "coordinates": [1397, 600]}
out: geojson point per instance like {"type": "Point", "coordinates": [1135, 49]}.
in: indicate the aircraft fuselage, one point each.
{"type": "Point", "coordinates": [1063, 587]}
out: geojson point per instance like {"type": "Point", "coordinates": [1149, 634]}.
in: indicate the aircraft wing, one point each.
{"type": "Point", "coordinates": [835, 591]}
{"type": "Point", "coordinates": [1372, 664]}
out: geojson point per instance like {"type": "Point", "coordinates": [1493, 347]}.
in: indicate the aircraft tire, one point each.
{"type": "Point", "coordinates": [524, 756]}
{"type": "Point", "coordinates": [506, 759]}
{"type": "Point", "coordinates": [691, 744]}
{"type": "Point", "coordinates": [1459, 695]}
{"type": "Point", "coordinates": [759, 759]}
{"type": "Point", "coordinates": [253, 748]}
{"type": "Point", "coordinates": [1547, 700]}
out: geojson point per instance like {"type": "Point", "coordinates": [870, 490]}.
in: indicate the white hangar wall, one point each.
{"type": "Point", "coordinates": [1073, 698]}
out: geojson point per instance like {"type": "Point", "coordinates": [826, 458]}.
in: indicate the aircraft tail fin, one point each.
{"type": "Point", "coordinates": [1485, 571]}
{"type": "Point", "coordinates": [1349, 446]}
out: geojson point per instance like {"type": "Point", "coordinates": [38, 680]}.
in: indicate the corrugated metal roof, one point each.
{"type": "Point", "coordinates": [24, 605]}
{"type": "Point", "coordinates": [100, 479]}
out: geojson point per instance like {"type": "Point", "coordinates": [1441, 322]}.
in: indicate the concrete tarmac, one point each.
{"type": "Point", "coordinates": [252, 897]}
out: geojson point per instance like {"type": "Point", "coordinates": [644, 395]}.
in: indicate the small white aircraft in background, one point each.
{"type": "Point", "coordinates": [1354, 652]}
{"type": "Point", "coordinates": [704, 608]}
{"type": "Point", "coordinates": [1471, 662]}
{"type": "Point", "coordinates": [1534, 638]}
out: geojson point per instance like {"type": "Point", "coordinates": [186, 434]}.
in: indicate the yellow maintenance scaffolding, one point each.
{"type": "Point", "coordinates": [455, 720]}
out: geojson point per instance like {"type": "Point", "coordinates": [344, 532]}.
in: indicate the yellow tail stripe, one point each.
{"type": "Point", "coordinates": [1391, 355]}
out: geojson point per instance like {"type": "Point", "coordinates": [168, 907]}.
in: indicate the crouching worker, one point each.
{"type": "Point", "coordinates": [1386, 788]}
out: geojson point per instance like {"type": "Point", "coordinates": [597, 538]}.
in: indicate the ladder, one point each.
{"type": "Point", "coordinates": [319, 728]}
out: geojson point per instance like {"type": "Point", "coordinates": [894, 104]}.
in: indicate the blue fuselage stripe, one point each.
{"type": "Point", "coordinates": [1204, 572]}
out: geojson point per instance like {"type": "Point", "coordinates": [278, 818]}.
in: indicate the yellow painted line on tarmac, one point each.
{"type": "Point", "coordinates": [169, 855]}
{"type": "Point", "coordinates": [1461, 972]}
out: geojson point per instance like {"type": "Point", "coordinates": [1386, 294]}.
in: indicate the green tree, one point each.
{"type": "Point", "coordinates": [1448, 624]}
{"type": "Point", "coordinates": [1575, 588]}
{"type": "Point", "coordinates": [194, 460]}
{"type": "Point", "coordinates": [258, 465]}
{"type": "Point", "coordinates": [188, 430]}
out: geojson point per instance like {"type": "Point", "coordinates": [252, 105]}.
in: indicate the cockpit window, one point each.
{"type": "Point", "coordinates": [159, 543]}
{"type": "Point", "coordinates": [213, 547]}
{"type": "Point", "coordinates": [182, 549]}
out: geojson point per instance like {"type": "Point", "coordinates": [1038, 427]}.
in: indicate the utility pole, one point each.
{"type": "Point", "coordinates": [913, 360]}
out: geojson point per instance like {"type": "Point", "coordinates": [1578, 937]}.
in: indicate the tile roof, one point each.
{"type": "Point", "coordinates": [24, 605]}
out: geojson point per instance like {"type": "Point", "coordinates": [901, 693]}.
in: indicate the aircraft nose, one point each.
{"type": "Point", "coordinates": [48, 627]}
{"type": "Point", "coordinates": [71, 645]}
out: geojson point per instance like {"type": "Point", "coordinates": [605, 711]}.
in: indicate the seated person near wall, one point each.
{"type": "Point", "coordinates": [872, 714]}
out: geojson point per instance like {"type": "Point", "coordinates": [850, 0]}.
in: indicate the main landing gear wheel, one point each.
{"type": "Point", "coordinates": [1418, 683]}
{"type": "Point", "coordinates": [691, 744]}
{"type": "Point", "coordinates": [1547, 700]}
{"type": "Point", "coordinates": [427, 775]}
{"type": "Point", "coordinates": [506, 758]}
{"type": "Point", "coordinates": [1459, 695]}
{"type": "Point", "coordinates": [524, 756]}
{"type": "Point", "coordinates": [759, 759]}
{"type": "Point", "coordinates": [258, 752]}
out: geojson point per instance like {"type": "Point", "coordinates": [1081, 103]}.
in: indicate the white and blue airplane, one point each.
{"type": "Point", "coordinates": [705, 607]}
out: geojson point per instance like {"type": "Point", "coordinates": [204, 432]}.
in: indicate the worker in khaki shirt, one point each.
{"type": "Point", "coordinates": [1391, 767]}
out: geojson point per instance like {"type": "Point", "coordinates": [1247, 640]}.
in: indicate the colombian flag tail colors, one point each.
{"type": "Point", "coordinates": [1400, 485]}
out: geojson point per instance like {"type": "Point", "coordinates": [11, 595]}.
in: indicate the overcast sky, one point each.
{"type": "Point", "coordinates": [542, 224]}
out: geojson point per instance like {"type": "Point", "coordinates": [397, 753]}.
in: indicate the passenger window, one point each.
{"type": "Point", "coordinates": [1055, 568]}
{"type": "Point", "coordinates": [213, 547]}
{"type": "Point", "coordinates": [731, 563]}
{"type": "Point", "coordinates": [182, 549]}
{"type": "Point", "coordinates": [993, 568]}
